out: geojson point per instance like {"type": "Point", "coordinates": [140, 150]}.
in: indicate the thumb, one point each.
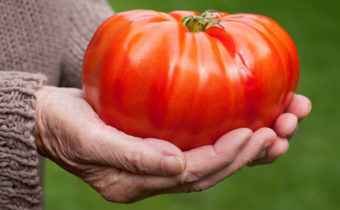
{"type": "Point", "coordinates": [73, 133]}
{"type": "Point", "coordinates": [111, 147]}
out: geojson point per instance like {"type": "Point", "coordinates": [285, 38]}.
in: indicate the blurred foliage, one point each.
{"type": "Point", "coordinates": [308, 176]}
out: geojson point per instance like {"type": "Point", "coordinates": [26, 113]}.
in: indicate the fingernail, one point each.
{"type": "Point", "coordinates": [309, 106]}
{"type": "Point", "coordinates": [172, 165]}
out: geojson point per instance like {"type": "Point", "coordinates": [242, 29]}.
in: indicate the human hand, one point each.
{"type": "Point", "coordinates": [125, 169]}
{"type": "Point", "coordinates": [285, 126]}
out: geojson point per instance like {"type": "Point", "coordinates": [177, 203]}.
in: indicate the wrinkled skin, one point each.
{"type": "Point", "coordinates": [126, 169]}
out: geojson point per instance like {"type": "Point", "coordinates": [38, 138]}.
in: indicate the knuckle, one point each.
{"type": "Point", "coordinates": [199, 186]}
{"type": "Point", "coordinates": [195, 188]}
{"type": "Point", "coordinates": [265, 137]}
{"type": "Point", "coordinates": [118, 195]}
{"type": "Point", "coordinates": [137, 161]}
{"type": "Point", "coordinates": [188, 177]}
{"type": "Point", "coordinates": [132, 161]}
{"type": "Point", "coordinates": [116, 198]}
{"type": "Point", "coordinates": [115, 192]}
{"type": "Point", "coordinates": [270, 131]}
{"type": "Point", "coordinates": [119, 187]}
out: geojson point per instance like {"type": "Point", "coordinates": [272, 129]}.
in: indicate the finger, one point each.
{"type": "Point", "coordinates": [261, 139]}
{"type": "Point", "coordinates": [300, 106]}
{"type": "Point", "coordinates": [205, 160]}
{"type": "Point", "coordinates": [286, 125]}
{"type": "Point", "coordinates": [120, 186]}
{"type": "Point", "coordinates": [111, 147]}
{"type": "Point", "coordinates": [79, 135]}
{"type": "Point", "coordinates": [277, 149]}
{"type": "Point", "coordinates": [91, 141]}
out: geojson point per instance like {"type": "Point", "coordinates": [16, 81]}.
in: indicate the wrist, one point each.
{"type": "Point", "coordinates": [40, 96]}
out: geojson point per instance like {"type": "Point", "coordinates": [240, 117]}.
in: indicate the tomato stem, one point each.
{"type": "Point", "coordinates": [196, 23]}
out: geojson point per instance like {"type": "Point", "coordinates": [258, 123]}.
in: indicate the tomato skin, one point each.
{"type": "Point", "coordinates": [145, 74]}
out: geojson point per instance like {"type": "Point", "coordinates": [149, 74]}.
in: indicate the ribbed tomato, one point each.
{"type": "Point", "coordinates": [149, 75]}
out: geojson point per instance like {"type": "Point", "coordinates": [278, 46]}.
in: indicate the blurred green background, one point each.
{"type": "Point", "coordinates": [308, 176]}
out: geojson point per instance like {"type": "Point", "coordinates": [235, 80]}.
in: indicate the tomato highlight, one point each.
{"type": "Point", "coordinates": [189, 78]}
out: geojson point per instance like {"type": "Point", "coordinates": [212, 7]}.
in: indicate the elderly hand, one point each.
{"type": "Point", "coordinates": [124, 168]}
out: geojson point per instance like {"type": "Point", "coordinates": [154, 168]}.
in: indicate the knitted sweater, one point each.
{"type": "Point", "coordinates": [38, 39]}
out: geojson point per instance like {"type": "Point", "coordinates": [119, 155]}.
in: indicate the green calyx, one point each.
{"type": "Point", "coordinates": [196, 23]}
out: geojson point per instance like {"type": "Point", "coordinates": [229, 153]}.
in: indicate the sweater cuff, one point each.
{"type": "Point", "coordinates": [19, 180]}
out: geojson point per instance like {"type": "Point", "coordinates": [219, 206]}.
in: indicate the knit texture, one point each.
{"type": "Point", "coordinates": [83, 19]}
{"type": "Point", "coordinates": [46, 37]}
{"type": "Point", "coordinates": [19, 183]}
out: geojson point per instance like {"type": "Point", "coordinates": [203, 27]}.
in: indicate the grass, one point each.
{"type": "Point", "coordinates": [307, 177]}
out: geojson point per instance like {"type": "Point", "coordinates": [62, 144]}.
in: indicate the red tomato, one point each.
{"type": "Point", "coordinates": [145, 73]}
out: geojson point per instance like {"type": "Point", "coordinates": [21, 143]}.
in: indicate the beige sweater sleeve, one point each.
{"type": "Point", "coordinates": [19, 181]}
{"type": "Point", "coordinates": [43, 36]}
{"type": "Point", "coordinates": [83, 20]}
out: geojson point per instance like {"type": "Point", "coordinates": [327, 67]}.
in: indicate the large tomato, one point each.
{"type": "Point", "coordinates": [149, 75]}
